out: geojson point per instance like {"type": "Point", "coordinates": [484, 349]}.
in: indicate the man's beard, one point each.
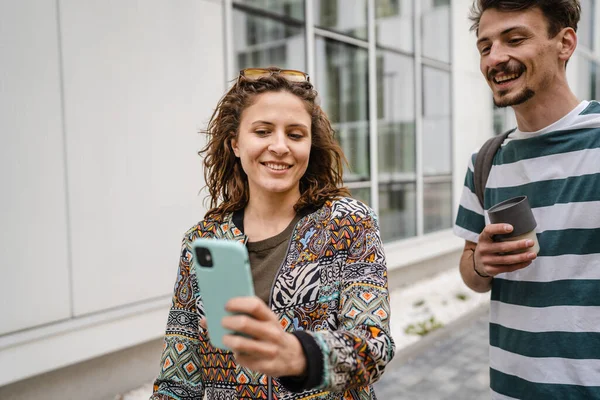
{"type": "Point", "coordinates": [519, 98]}
{"type": "Point", "coordinates": [510, 68]}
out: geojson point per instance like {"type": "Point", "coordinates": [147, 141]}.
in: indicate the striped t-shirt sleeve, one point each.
{"type": "Point", "coordinates": [470, 219]}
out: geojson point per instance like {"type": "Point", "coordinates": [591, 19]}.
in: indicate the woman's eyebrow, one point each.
{"type": "Point", "coordinates": [299, 125]}
{"type": "Point", "coordinates": [263, 122]}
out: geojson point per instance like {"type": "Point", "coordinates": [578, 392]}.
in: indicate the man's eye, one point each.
{"type": "Point", "coordinates": [484, 50]}
{"type": "Point", "coordinates": [516, 40]}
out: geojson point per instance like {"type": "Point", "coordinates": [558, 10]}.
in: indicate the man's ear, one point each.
{"type": "Point", "coordinates": [567, 43]}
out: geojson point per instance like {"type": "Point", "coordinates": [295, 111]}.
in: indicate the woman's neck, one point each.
{"type": "Point", "coordinates": [265, 217]}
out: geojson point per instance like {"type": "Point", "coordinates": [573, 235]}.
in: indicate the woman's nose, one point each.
{"type": "Point", "coordinates": [279, 144]}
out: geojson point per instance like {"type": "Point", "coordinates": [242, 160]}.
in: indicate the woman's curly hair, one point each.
{"type": "Point", "coordinates": [225, 179]}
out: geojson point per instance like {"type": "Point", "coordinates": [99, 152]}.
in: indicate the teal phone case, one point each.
{"type": "Point", "coordinates": [228, 277]}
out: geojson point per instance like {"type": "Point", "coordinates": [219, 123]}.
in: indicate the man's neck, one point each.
{"type": "Point", "coordinates": [544, 110]}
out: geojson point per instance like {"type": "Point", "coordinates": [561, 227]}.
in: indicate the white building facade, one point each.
{"type": "Point", "coordinates": [101, 104]}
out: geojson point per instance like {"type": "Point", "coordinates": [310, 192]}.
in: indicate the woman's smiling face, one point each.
{"type": "Point", "coordinates": [273, 144]}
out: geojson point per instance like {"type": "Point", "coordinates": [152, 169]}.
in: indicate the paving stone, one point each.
{"type": "Point", "coordinates": [454, 368]}
{"type": "Point", "coordinates": [448, 388]}
{"type": "Point", "coordinates": [444, 373]}
{"type": "Point", "coordinates": [410, 379]}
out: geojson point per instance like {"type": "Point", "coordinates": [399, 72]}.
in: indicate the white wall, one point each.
{"type": "Point", "coordinates": [99, 170]}
{"type": "Point", "coordinates": [34, 278]}
{"type": "Point", "coordinates": [135, 77]}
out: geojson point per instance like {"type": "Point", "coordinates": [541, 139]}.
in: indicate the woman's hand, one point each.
{"type": "Point", "coordinates": [268, 348]}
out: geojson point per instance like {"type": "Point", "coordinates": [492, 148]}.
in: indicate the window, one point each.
{"type": "Point", "coordinates": [437, 205]}
{"type": "Point", "coordinates": [341, 79]}
{"type": "Point", "coordinates": [587, 55]}
{"type": "Point", "coordinates": [436, 122]}
{"type": "Point", "coordinates": [387, 8]}
{"type": "Point", "coordinates": [396, 116]}
{"type": "Point", "coordinates": [344, 16]}
{"type": "Point", "coordinates": [397, 210]}
{"type": "Point", "coordinates": [585, 86]}
{"type": "Point", "coordinates": [261, 41]}
{"type": "Point", "coordinates": [435, 29]}
{"type": "Point", "coordinates": [437, 145]}
{"type": "Point", "coordinates": [408, 114]}
{"type": "Point", "coordinates": [394, 24]}
{"type": "Point", "coordinates": [596, 81]}
{"type": "Point", "coordinates": [396, 145]}
{"type": "Point", "coordinates": [285, 8]}
{"type": "Point", "coordinates": [362, 193]}
{"type": "Point", "coordinates": [585, 30]}
{"type": "Point", "coordinates": [504, 119]}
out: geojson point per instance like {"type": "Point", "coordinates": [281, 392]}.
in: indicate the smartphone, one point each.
{"type": "Point", "coordinates": [222, 272]}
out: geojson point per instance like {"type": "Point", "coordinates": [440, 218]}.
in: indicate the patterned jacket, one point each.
{"type": "Point", "coordinates": [332, 284]}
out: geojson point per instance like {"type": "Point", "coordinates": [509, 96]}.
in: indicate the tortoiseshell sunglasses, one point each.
{"type": "Point", "coordinates": [257, 73]}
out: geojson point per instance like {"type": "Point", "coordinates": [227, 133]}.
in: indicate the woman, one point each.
{"type": "Point", "coordinates": [318, 327]}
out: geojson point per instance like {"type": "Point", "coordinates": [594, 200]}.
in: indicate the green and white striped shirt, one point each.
{"type": "Point", "coordinates": [545, 319]}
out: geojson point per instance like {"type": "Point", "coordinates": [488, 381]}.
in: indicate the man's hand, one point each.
{"type": "Point", "coordinates": [268, 348]}
{"type": "Point", "coordinates": [492, 258]}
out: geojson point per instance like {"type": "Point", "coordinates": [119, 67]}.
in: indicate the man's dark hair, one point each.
{"type": "Point", "coordinates": [559, 13]}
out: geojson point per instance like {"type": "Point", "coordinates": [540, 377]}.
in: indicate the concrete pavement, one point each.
{"type": "Point", "coordinates": [448, 364]}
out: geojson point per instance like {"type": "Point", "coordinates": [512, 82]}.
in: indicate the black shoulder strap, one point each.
{"type": "Point", "coordinates": [483, 162]}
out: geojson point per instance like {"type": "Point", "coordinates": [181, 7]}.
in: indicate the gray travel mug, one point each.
{"type": "Point", "coordinates": [517, 212]}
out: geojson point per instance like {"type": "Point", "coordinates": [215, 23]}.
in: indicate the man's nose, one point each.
{"type": "Point", "coordinates": [497, 55]}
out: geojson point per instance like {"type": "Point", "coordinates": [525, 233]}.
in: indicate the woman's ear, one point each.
{"type": "Point", "coordinates": [234, 147]}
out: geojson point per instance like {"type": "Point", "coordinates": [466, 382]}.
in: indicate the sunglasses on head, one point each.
{"type": "Point", "coordinates": [292, 75]}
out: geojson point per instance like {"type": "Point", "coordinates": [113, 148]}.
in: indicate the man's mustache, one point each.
{"type": "Point", "coordinates": [506, 69]}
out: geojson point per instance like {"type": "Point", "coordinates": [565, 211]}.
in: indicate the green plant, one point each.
{"type": "Point", "coordinates": [423, 328]}
{"type": "Point", "coordinates": [462, 296]}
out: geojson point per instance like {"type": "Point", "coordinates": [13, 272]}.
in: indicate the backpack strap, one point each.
{"type": "Point", "coordinates": [483, 162]}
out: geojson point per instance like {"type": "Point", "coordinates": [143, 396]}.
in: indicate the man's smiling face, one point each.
{"type": "Point", "coordinates": [517, 56]}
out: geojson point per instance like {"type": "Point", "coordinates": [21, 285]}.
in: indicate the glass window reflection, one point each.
{"type": "Point", "coordinates": [397, 210]}
{"type": "Point", "coordinates": [394, 24]}
{"type": "Point", "coordinates": [341, 79]}
{"type": "Point", "coordinates": [344, 16]}
{"type": "Point", "coordinates": [435, 29]}
{"type": "Point", "coordinates": [585, 30]}
{"type": "Point", "coordinates": [437, 142]}
{"type": "Point", "coordinates": [437, 206]}
{"type": "Point", "coordinates": [504, 119]}
{"type": "Point", "coordinates": [363, 194]}
{"type": "Point", "coordinates": [396, 116]}
{"type": "Point", "coordinates": [286, 8]}
{"type": "Point", "coordinates": [396, 142]}
{"type": "Point", "coordinates": [596, 81]}
{"type": "Point", "coordinates": [585, 87]}
{"type": "Point", "coordinates": [263, 42]}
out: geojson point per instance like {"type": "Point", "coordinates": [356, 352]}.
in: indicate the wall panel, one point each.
{"type": "Point", "coordinates": [34, 273]}
{"type": "Point", "coordinates": [141, 79]}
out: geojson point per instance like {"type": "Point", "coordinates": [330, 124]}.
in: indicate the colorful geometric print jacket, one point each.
{"type": "Point", "coordinates": [332, 284]}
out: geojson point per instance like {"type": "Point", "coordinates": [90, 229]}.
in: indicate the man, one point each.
{"type": "Point", "coordinates": [545, 308]}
